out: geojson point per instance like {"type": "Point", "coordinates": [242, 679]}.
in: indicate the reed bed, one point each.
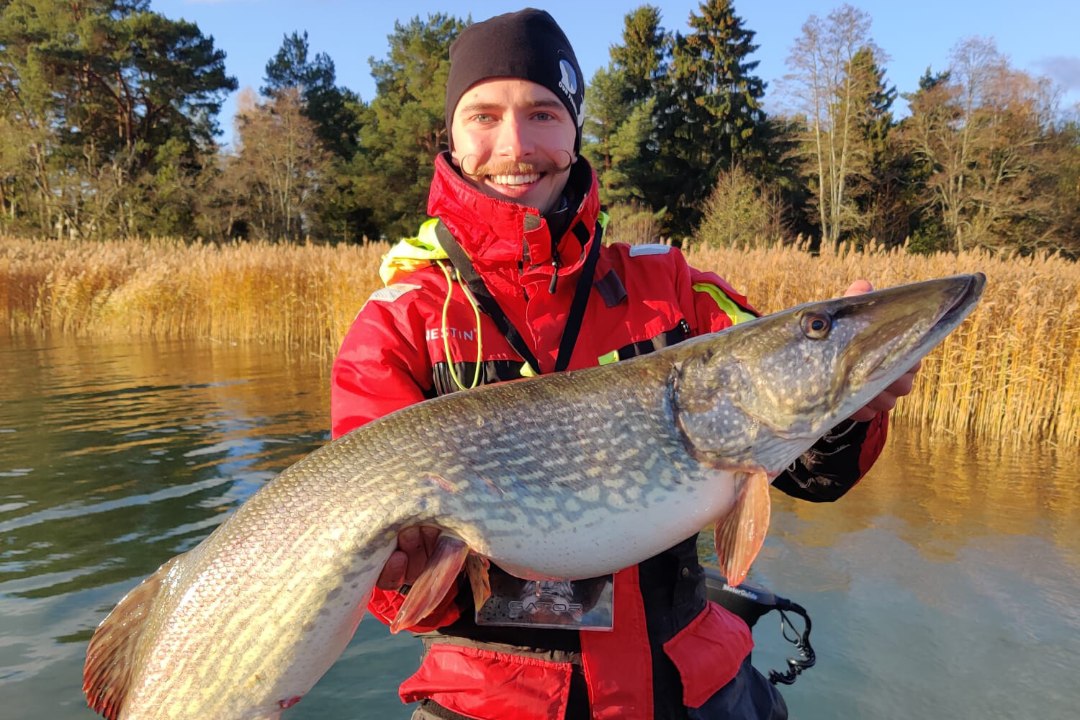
{"type": "Point", "coordinates": [299, 296]}
{"type": "Point", "coordinates": [1011, 373]}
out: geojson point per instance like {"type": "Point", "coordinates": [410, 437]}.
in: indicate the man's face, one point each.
{"type": "Point", "coordinates": [514, 140]}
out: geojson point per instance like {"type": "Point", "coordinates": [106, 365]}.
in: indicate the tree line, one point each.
{"type": "Point", "coordinates": [109, 126]}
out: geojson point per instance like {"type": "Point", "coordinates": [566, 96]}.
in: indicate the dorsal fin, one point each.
{"type": "Point", "coordinates": [741, 533]}
{"type": "Point", "coordinates": [113, 651]}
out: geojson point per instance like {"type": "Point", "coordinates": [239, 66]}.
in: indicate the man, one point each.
{"type": "Point", "coordinates": [509, 279]}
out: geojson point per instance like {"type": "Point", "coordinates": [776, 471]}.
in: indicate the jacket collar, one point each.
{"type": "Point", "coordinates": [494, 231]}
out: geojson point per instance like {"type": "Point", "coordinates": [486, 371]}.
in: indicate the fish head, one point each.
{"type": "Point", "coordinates": [758, 395]}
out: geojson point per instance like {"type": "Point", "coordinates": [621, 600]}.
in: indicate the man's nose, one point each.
{"type": "Point", "coordinates": [513, 140]}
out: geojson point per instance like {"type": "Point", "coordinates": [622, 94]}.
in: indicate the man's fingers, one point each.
{"type": "Point", "coordinates": [903, 385]}
{"type": "Point", "coordinates": [414, 547]}
{"type": "Point", "coordinates": [858, 287]}
{"type": "Point", "coordinates": [393, 573]}
{"type": "Point", "coordinates": [411, 542]}
{"type": "Point", "coordinates": [864, 414]}
{"type": "Point", "coordinates": [430, 536]}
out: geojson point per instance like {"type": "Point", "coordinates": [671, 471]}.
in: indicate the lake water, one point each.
{"type": "Point", "coordinates": [947, 585]}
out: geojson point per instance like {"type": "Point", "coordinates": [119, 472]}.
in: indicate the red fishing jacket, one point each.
{"type": "Point", "coordinates": [421, 336]}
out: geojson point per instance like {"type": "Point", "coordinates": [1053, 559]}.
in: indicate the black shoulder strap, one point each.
{"type": "Point", "coordinates": [491, 308]}
{"type": "Point", "coordinates": [581, 295]}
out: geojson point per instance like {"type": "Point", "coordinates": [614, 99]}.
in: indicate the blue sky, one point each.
{"type": "Point", "coordinates": [1038, 36]}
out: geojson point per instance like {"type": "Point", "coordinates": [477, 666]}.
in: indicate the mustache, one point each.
{"type": "Point", "coordinates": [511, 167]}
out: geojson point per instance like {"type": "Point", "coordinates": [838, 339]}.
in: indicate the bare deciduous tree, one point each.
{"type": "Point", "coordinates": [279, 166]}
{"type": "Point", "coordinates": [980, 131]}
{"type": "Point", "coordinates": [831, 96]}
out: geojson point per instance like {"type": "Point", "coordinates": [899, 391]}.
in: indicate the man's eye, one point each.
{"type": "Point", "coordinates": [544, 116]}
{"type": "Point", "coordinates": [483, 118]}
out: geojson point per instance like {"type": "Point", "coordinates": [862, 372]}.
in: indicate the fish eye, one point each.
{"type": "Point", "coordinates": [816, 326]}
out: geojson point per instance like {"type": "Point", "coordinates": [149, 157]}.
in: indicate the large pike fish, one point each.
{"type": "Point", "coordinates": [571, 475]}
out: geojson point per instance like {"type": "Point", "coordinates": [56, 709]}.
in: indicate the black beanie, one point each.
{"type": "Point", "coordinates": [527, 44]}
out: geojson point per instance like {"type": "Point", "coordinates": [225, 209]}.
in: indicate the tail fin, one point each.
{"type": "Point", "coordinates": [113, 654]}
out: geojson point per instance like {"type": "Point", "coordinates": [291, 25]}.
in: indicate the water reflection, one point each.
{"type": "Point", "coordinates": [946, 585]}
{"type": "Point", "coordinates": [114, 457]}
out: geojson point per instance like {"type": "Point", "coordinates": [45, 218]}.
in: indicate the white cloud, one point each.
{"type": "Point", "coordinates": [1062, 69]}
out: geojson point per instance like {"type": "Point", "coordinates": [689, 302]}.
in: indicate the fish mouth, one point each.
{"type": "Point", "coordinates": [959, 299]}
{"type": "Point", "coordinates": [964, 301]}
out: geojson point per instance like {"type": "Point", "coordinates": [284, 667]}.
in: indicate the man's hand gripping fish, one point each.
{"type": "Point", "coordinates": [570, 475]}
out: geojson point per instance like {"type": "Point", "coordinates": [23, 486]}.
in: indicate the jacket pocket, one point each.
{"type": "Point", "coordinates": [708, 652]}
{"type": "Point", "coordinates": [487, 684]}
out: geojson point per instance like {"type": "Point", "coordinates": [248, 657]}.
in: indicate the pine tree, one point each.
{"type": "Point", "coordinates": [407, 125]}
{"type": "Point", "coordinates": [333, 109]}
{"type": "Point", "coordinates": [110, 94]}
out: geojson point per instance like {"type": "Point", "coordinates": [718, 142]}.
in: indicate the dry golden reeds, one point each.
{"type": "Point", "coordinates": [303, 296]}
{"type": "Point", "coordinates": [1011, 372]}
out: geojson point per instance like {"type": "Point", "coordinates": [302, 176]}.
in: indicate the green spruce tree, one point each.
{"type": "Point", "coordinates": [710, 116]}
{"type": "Point", "coordinates": [621, 100]}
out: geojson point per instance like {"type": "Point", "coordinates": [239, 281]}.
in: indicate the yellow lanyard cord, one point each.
{"type": "Point", "coordinates": [446, 342]}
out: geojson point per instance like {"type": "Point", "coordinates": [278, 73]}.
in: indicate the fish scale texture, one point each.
{"type": "Point", "coordinates": [528, 476]}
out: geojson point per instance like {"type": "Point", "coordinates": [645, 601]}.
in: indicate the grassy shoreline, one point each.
{"type": "Point", "coordinates": [1010, 374]}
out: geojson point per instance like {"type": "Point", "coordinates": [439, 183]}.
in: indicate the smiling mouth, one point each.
{"type": "Point", "coordinates": [512, 180]}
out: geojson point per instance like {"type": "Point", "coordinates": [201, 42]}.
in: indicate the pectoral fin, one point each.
{"type": "Point", "coordinates": [740, 534]}
{"type": "Point", "coordinates": [439, 577]}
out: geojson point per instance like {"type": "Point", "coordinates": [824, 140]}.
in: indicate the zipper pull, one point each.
{"type": "Point", "coordinates": [554, 273]}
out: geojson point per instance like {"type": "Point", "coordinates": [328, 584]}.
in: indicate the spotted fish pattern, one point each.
{"type": "Point", "coordinates": [570, 475]}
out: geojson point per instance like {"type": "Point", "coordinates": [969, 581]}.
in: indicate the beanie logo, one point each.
{"type": "Point", "coordinates": [568, 83]}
